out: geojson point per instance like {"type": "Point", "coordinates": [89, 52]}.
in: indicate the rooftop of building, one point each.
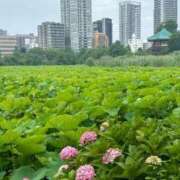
{"type": "Point", "coordinates": [164, 34]}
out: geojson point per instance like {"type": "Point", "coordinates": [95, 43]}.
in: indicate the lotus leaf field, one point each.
{"type": "Point", "coordinates": [89, 123]}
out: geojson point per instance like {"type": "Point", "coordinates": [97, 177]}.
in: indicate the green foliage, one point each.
{"type": "Point", "coordinates": [172, 59]}
{"type": "Point", "coordinates": [44, 109]}
{"type": "Point", "coordinates": [174, 42]}
{"type": "Point", "coordinates": [38, 56]}
{"type": "Point", "coordinates": [117, 49]}
{"type": "Point", "coordinates": [171, 26]}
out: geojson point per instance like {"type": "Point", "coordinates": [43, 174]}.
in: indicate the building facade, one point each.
{"type": "Point", "coordinates": [8, 45]}
{"type": "Point", "coordinates": [104, 26]}
{"type": "Point", "coordinates": [129, 20]}
{"type": "Point", "coordinates": [76, 15]}
{"type": "Point", "coordinates": [51, 35]}
{"type": "Point", "coordinates": [164, 10]}
{"type": "Point", "coordinates": [65, 19]}
{"type": "Point", "coordinates": [27, 41]}
{"type": "Point", "coordinates": [135, 44]}
{"type": "Point", "coordinates": [100, 40]}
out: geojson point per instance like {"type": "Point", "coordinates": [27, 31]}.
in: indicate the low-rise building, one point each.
{"type": "Point", "coordinates": [135, 44]}
{"type": "Point", "coordinates": [27, 41]}
{"type": "Point", "coordinates": [147, 45]}
{"type": "Point", "coordinates": [31, 42]}
{"type": "Point", "coordinates": [8, 45]}
{"type": "Point", "coordinates": [160, 41]}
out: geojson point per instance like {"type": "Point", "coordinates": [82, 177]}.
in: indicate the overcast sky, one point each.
{"type": "Point", "coordinates": [23, 16]}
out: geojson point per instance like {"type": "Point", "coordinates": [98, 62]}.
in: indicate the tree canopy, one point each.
{"type": "Point", "coordinates": [171, 26]}
{"type": "Point", "coordinates": [174, 42]}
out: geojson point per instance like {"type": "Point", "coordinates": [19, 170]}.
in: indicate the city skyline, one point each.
{"type": "Point", "coordinates": [25, 16]}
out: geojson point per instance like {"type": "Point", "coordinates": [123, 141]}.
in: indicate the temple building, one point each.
{"type": "Point", "coordinates": [160, 41]}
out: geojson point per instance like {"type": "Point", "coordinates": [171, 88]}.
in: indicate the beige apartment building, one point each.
{"type": "Point", "coordinates": [7, 45]}
{"type": "Point", "coordinates": [100, 40]}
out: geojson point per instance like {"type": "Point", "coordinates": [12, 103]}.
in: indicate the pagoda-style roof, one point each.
{"type": "Point", "coordinates": [163, 35]}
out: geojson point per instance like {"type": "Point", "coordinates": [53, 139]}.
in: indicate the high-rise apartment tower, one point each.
{"type": "Point", "coordinates": [76, 15]}
{"type": "Point", "coordinates": [129, 20]}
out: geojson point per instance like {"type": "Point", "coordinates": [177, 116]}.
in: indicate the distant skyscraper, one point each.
{"type": "Point", "coordinates": [97, 26]}
{"type": "Point", "coordinates": [77, 17]}
{"type": "Point", "coordinates": [104, 26]}
{"type": "Point", "coordinates": [164, 10]}
{"type": "Point", "coordinates": [129, 20]}
{"type": "Point", "coordinates": [65, 19]}
{"type": "Point", "coordinates": [51, 35]}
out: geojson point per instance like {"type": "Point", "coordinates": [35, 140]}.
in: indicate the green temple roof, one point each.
{"type": "Point", "coordinates": [164, 34]}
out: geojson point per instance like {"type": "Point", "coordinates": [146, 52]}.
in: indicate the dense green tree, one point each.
{"type": "Point", "coordinates": [171, 26]}
{"type": "Point", "coordinates": [38, 56]}
{"type": "Point", "coordinates": [117, 49]}
{"type": "Point", "coordinates": [174, 43]}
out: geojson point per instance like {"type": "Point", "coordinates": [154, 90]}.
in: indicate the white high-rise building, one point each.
{"type": "Point", "coordinates": [129, 20]}
{"type": "Point", "coordinates": [164, 10]}
{"type": "Point", "coordinates": [76, 15]}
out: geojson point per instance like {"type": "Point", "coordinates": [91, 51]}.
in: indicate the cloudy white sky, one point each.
{"type": "Point", "coordinates": [23, 16]}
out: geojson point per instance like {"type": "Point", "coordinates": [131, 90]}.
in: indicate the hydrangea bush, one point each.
{"type": "Point", "coordinates": [71, 123]}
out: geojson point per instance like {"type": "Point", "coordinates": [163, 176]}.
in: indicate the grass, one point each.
{"type": "Point", "coordinates": [170, 60]}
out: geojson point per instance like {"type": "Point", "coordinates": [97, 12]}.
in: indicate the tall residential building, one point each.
{"type": "Point", "coordinates": [51, 35]}
{"type": "Point", "coordinates": [76, 15]}
{"type": "Point", "coordinates": [129, 20]}
{"type": "Point", "coordinates": [65, 19]}
{"type": "Point", "coordinates": [3, 32]}
{"type": "Point", "coordinates": [104, 26]}
{"type": "Point", "coordinates": [164, 10]}
{"type": "Point", "coordinates": [7, 45]}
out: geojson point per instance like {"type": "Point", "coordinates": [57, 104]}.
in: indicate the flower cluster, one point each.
{"type": "Point", "coordinates": [110, 155]}
{"type": "Point", "coordinates": [85, 172]}
{"type": "Point", "coordinates": [153, 160]}
{"type": "Point", "coordinates": [88, 137]}
{"type": "Point", "coordinates": [104, 126]}
{"type": "Point", "coordinates": [68, 153]}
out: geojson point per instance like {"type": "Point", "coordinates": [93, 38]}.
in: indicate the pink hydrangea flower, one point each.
{"type": "Point", "coordinates": [85, 172]}
{"type": "Point", "coordinates": [87, 137]}
{"type": "Point", "coordinates": [110, 155]}
{"type": "Point", "coordinates": [68, 153]}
